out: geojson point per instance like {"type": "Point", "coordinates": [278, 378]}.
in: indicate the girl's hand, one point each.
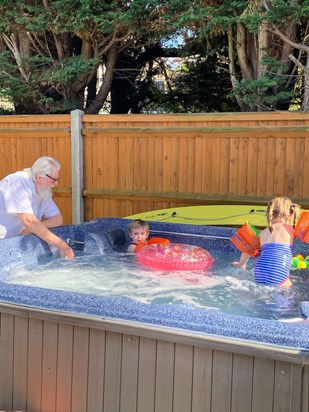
{"type": "Point", "coordinates": [236, 263]}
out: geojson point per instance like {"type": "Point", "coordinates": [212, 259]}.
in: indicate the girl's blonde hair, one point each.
{"type": "Point", "coordinates": [281, 208]}
{"type": "Point", "coordinates": [138, 223]}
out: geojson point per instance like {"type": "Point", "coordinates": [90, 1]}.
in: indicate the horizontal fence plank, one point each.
{"type": "Point", "coordinates": [269, 117]}
{"type": "Point", "coordinates": [198, 198]}
{"type": "Point", "coordinates": [37, 130]}
{"type": "Point", "coordinates": [205, 131]}
{"type": "Point", "coordinates": [52, 118]}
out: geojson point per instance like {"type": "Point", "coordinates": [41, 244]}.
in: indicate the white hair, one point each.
{"type": "Point", "coordinates": [44, 165]}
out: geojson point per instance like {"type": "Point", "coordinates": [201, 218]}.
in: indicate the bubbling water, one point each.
{"type": "Point", "coordinates": [221, 287]}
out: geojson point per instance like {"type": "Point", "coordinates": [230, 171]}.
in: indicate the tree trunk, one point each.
{"type": "Point", "coordinates": [241, 104]}
{"type": "Point", "coordinates": [305, 101]}
{"type": "Point", "coordinates": [102, 94]}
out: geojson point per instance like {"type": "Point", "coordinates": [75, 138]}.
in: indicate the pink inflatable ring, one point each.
{"type": "Point", "coordinates": [174, 256]}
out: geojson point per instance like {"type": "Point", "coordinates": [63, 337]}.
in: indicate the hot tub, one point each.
{"type": "Point", "coordinates": [67, 351]}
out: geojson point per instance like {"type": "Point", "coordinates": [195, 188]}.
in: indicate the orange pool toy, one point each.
{"type": "Point", "coordinates": [302, 228]}
{"type": "Point", "coordinates": [246, 239]}
{"type": "Point", "coordinates": [152, 241]}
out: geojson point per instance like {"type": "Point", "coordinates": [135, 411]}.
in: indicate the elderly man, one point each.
{"type": "Point", "coordinates": [26, 204]}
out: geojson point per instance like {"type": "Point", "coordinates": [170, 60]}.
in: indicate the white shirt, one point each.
{"type": "Point", "coordinates": [18, 195]}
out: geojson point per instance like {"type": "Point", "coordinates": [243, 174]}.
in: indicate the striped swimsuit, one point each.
{"type": "Point", "coordinates": [273, 264]}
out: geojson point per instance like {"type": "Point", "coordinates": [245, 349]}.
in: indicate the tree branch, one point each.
{"type": "Point", "coordinates": [292, 43]}
{"type": "Point", "coordinates": [12, 45]}
{"type": "Point", "coordinates": [106, 85]}
{"type": "Point", "coordinates": [298, 64]}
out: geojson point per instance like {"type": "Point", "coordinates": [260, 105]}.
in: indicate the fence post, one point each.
{"type": "Point", "coordinates": [77, 167]}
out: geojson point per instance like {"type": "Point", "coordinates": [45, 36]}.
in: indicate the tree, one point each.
{"type": "Point", "coordinates": [51, 50]}
{"type": "Point", "coordinates": [135, 70]}
{"type": "Point", "coordinates": [268, 75]}
{"type": "Point", "coordinates": [298, 12]}
{"type": "Point", "coordinates": [59, 55]}
{"type": "Point", "coordinates": [261, 42]}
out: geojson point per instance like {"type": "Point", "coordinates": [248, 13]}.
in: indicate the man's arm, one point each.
{"type": "Point", "coordinates": [33, 225]}
{"type": "Point", "coordinates": [54, 221]}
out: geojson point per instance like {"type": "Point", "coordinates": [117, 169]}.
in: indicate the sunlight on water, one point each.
{"type": "Point", "coordinates": [222, 287]}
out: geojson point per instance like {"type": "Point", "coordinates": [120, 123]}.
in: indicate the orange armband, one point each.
{"type": "Point", "coordinates": [152, 241]}
{"type": "Point", "coordinates": [155, 240]}
{"type": "Point", "coordinates": [140, 246]}
{"type": "Point", "coordinates": [247, 240]}
{"type": "Point", "coordinates": [302, 227]}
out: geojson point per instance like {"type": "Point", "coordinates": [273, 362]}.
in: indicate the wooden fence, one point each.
{"type": "Point", "coordinates": [135, 163]}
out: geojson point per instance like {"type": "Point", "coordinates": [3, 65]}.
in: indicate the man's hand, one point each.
{"type": "Point", "coordinates": [65, 251]}
{"type": "Point", "coordinates": [35, 226]}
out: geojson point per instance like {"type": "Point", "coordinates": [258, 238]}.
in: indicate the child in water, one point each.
{"type": "Point", "coordinates": [138, 232]}
{"type": "Point", "coordinates": [275, 255]}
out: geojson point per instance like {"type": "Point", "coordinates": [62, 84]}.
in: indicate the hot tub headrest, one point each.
{"type": "Point", "coordinates": [117, 238]}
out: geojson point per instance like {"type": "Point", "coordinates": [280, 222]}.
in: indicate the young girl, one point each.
{"type": "Point", "coordinates": [275, 255]}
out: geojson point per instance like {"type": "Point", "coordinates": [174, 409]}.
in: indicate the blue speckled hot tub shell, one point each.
{"type": "Point", "coordinates": [29, 249]}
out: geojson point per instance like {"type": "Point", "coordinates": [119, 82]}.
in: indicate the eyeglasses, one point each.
{"type": "Point", "coordinates": [52, 178]}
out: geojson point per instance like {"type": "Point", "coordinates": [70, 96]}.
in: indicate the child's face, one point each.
{"type": "Point", "coordinates": [138, 235]}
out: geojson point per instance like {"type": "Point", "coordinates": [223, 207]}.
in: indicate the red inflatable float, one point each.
{"type": "Point", "coordinates": [174, 256]}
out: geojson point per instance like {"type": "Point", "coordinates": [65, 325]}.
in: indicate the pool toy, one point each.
{"type": "Point", "coordinates": [300, 262]}
{"type": "Point", "coordinates": [174, 256]}
{"type": "Point", "coordinates": [302, 227]}
{"type": "Point", "coordinates": [152, 241]}
{"type": "Point", "coordinates": [247, 240]}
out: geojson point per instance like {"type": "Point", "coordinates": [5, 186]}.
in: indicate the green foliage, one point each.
{"type": "Point", "coordinates": [46, 76]}
{"type": "Point", "coordinates": [50, 54]}
{"type": "Point", "coordinates": [269, 90]}
{"type": "Point", "coordinates": [6, 112]}
{"type": "Point", "coordinates": [197, 88]}
{"type": "Point", "coordinates": [65, 71]}
{"type": "Point", "coordinates": [53, 52]}
{"type": "Point", "coordinates": [265, 93]}
{"type": "Point", "coordinates": [56, 106]}
{"type": "Point", "coordinates": [282, 10]}
{"type": "Point", "coordinates": [260, 85]}
{"type": "Point", "coordinates": [10, 84]}
{"type": "Point", "coordinates": [273, 64]}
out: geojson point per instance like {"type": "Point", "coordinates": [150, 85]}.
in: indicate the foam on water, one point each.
{"type": "Point", "coordinates": [222, 287]}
